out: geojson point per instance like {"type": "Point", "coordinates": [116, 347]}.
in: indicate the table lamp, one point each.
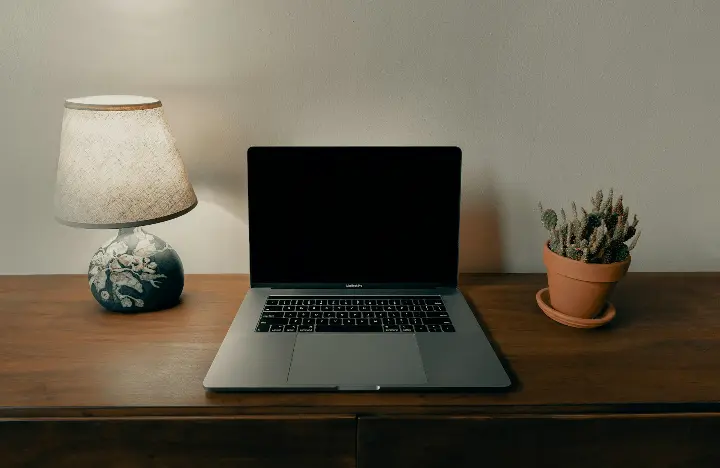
{"type": "Point", "coordinates": [119, 169]}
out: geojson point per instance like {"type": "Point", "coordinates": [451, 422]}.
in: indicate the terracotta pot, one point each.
{"type": "Point", "coordinates": [581, 289]}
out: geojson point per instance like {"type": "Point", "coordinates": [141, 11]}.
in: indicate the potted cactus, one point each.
{"type": "Point", "coordinates": [586, 255]}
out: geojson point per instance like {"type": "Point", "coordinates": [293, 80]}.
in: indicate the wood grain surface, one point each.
{"type": "Point", "coordinates": [61, 355]}
{"type": "Point", "coordinates": [553, 441]}
{"type": "Point", "coordinates": [249, 441]}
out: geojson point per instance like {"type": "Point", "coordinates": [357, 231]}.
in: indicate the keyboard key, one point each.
{"type": "Point", "coordinates": [345, 302]}
{"type": "Point", "coordinates": [368, 314]}
{"type": "Point", "coordinates": [301, 308]}
{"type": "Point", "coordinates": [316, 314]}
{"type": "Point", "coordinates": [321, 302]}
{"type": "Point", "coordinates": [262, 327]}
{"type": "Point", "coordinates": [435, 328]}
{"type": "Point", "coordinates": [394, 302]}
{"type": "Point", "coordinates": [309, 302]}
{"type": "Point", "coordinates": [334, 302]}
{"type": "Point", "coordinates": [415, 308]}
{"type": "Point", "coordinates": [313, 308]}
{"type": "Point", "coordinates": [276, 321]}
{"type": "Point", "coordinates": [342, 315]}
{"type": "Point", "coordinates": [393, 314]}
{"type": "Point", "coordinates": [271, 302]}
{"type": "Point", "coordinates": [306, 328]}
{"type": "Point", "coordinates": [420, 328]}
{"type": "Point", "coordinates": [291, 328]}
{"type": "Point", "coordinates": [294, 321]}
{"type": "Point", "coordinates": [272, 307]}
{"type": "Point", "coordinates": [355, 315]}
{"type": "Point", "coordinates": [290, 314]}
{"type": "Point", "coordinates": [303, 314]}
{"type": "Point", "coordinates": [418, 314]}
{"type": "Point", "coordinates": [308, 321]}
{"type": "Point", "coordinates": [389, 321]}
{"type": "Point", "coordinates": [362, 321]}
{"type": "Point", "coordinates": [326, 308]}
{"type": "Point", "coordinates": [381, 314]}
{"type": "Point", "coordinates": [402, 321]}
{"type": "Point", "coordinates": [371, 302]}
{"type": "Point", "coordinates": [375, 321]}
{"type": "Point", "coordinates": [391, 328]}
{"type": "Point", "coordinates": [416, 321]}
{"type": "Point", "coordinates": [437, 321]}
{"type": "Point", "coordinates": [335, 321]}
{"type": "Point", "coordinates": [447, 328]}
{"type": "Point", "coordinates": [355, 329]}
{"type": "Point", "coordinates": [338, 308]}
{"type": "Point", "coordinates": [440, 308]}
{"type": "Point", "coordinates": [433, 301]}
{"type": "Point", "coordinates": [406, 314]}
{"type": "Point", "coordinates": [357, 302]}
{"type": "Point", "coordinates": [388, 308]}
{"type": "Point", "coordinates": [329, 314]}
{"type": "Point", "coordinates": [321, 321]}
{"type": "Point", "coordinates": [406, 302]}
{"type": "Point", "coordinates": [276, 328]}
{"type": "Point", "coordinates": [272, 314]}
{"type": "Point", "coordinates": [428, 308]}
{"type": "Point", "coordinates": [382, 302]}
{"type": "Point", "coordinates": [376, 308]}
{"type": "Point", "coordinates": [406, 328]}
{"type": "Point", "coordinates": [436, 314]}
{"type": "Point", "coordinates": [364, 308]}
{"type": "Point", "coordinates": [402, 308]}
{"type": "Point", "coordinates": [352, 308]}
{"type": "Point", "coordinates": [284, 302]}
{"type": "Point", "coordinates": [348, 321]}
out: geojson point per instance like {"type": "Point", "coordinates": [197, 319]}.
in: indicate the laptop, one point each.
{"type": "Point", "coordinates": [353, 276]}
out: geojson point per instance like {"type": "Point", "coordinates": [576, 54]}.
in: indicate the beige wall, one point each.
{"type": "Point", "coordinates": [548, 99]}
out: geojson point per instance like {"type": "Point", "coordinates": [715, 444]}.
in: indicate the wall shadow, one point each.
{"type": "Point", "coordinates": [481, 249]}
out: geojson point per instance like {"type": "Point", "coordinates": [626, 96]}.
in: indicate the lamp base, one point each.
{"type": "Point", "coordinates": [136, 272]}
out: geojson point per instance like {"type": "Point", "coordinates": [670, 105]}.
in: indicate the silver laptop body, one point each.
{"type": "Point", "coordinates": [353, 271]}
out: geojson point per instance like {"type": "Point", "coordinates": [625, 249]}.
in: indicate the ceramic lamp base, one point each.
{"type": "Point", "coordinates": [136, 272]}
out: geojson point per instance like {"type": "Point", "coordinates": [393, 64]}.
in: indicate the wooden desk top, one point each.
{"type": "Point", "coordinates": [61, 355]}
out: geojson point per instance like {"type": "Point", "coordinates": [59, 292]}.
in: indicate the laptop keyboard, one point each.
{"type": "Point", "coordinates": [354, 314]}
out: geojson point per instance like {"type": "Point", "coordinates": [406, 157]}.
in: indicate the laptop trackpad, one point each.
{"type": "Point", "coordinates": [361, 360]}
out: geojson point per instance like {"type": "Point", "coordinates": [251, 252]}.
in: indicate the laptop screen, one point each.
{"type": "Point", "coordinates": [344, 217]}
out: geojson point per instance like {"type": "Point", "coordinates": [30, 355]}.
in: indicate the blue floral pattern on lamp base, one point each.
{"type": "Point", "coordinates": [136, 272]}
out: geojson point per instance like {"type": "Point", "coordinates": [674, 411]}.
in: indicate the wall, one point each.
{"type": "Point", "coordinates": [549, 99]}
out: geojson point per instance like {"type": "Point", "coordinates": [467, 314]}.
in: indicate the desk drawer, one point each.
{"type": "Point", "coordinates": [254, 441]}
{"type": "Point", "coordinates": [545, 441]}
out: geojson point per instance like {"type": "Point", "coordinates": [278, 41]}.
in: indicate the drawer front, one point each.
{"type": "Point", "coordinates": [545, 441]}
{"type": "Point", "coordinates": [182, 442]}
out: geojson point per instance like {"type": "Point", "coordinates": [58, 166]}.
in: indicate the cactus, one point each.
{"type": "Point", "coordinates": [549, 218]}
{"type": "Point", "coordinates": [597, 236]}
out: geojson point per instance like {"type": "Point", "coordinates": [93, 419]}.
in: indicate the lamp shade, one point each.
{"type": "Point", "coordinates": [118, 165]}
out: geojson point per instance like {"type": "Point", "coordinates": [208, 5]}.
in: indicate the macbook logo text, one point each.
{"type": "Point", "coordinates": [351, 285]}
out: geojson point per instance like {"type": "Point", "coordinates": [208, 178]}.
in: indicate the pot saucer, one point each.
{"type": "Point", "coordinates": [604, 317]}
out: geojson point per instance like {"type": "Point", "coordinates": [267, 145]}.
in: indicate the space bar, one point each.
{"type": "Point", "coordinates": [349, 328]}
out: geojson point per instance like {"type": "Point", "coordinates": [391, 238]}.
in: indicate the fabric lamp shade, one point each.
{"type": "Point", "coordinates": [118, 165]}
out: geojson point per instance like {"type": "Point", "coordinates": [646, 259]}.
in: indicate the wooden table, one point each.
{"type": "Point", "coordinates": [84, 387]}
